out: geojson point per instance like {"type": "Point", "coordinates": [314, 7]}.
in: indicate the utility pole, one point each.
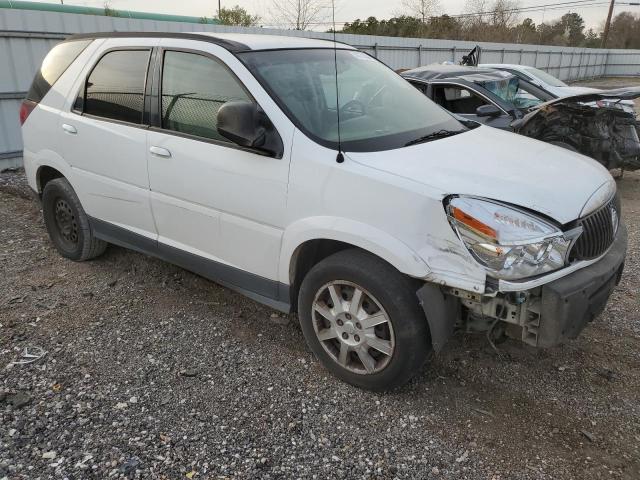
{"type": "Point", "coordinates": [219, 8]}
{"type": "Point", "coordinates": [607, 25]}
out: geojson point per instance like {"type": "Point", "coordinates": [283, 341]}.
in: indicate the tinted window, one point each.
{"type": "Point", "coordinates": [115, 87]}
{"type": "Point", "coordinates": [194, 88]}
{"type": "Point", "coordinates": [54, 65]}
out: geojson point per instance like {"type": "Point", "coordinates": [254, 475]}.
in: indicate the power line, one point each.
{"type": "Point", "coordinates": [594, 3]}
{"type": "Point", "coordinates": [530, 8]}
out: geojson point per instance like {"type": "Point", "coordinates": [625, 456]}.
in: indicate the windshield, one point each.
{"type": "Point", "coordinates": [545, 77]}
{"type": "Point", "coordinates": [378, 109]}
{"type": "Point", "coordinates": [513, 91]}
{"type": "Point", "coordinates": [505, 88]}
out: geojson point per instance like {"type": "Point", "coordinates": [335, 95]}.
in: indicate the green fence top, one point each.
{"type": "Point", "coordinates": [55, 7]}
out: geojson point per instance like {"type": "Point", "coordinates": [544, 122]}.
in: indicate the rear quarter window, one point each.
{"type": "Point", "coordinates": [53, 66]}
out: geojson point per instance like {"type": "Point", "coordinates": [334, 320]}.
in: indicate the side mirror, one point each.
{"type": "Point", "coordinates": [488, 111]}
{"type": "Point", "coordinates": [246, 125]}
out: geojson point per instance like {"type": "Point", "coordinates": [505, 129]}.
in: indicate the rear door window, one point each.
{"type": "Point", "coordinates": [115, 87]}
{"type": "Point", "coordinates": [194, 87]}
{"type": "Point", "coordinates": [53, 66]}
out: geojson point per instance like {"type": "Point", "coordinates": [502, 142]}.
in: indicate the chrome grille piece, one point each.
{"type": "Point", "coordinates": [599, 230]}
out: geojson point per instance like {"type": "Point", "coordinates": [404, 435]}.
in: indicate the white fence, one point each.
{"type": "Point", "coordinates": [26, 36]}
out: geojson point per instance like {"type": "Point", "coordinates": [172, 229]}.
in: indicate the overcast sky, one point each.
{"type": "Point", "coordinates": [346, 10]}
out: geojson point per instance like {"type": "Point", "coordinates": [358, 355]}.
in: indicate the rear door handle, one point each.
{"type": "Point", "coordinates": [69, 128]}
{"type": "Point", "coordinates": [160, 152]}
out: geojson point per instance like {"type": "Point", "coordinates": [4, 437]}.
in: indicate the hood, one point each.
{"type": "Point", "coordinates": [572, 90]}
{"type": "Point", "coordinates": [627, 93]}
{"type": "Point", "coordinates": [491, 163]}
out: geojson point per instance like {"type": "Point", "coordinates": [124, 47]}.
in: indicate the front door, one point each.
{"type": "Point", "coordinates": [211, 198]}
{"type": "Point", "coordinates": [465, 102]}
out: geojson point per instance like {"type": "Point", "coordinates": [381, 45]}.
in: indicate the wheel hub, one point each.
{"type": "Point", "coordinates": [66, 221]}
{"type": "Point", "coordinates": [352, 327]}
{"type": "Point", "coordinates": [348, 332]}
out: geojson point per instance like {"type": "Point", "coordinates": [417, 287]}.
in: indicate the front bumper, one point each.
{"type": "Point", "coordinates": [555, 308]}
{"type": "Point", "coordinates": [568, 304]}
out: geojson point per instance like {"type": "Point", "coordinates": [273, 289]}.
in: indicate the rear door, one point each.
{"type": "Point", "coordinates": [105, 137]}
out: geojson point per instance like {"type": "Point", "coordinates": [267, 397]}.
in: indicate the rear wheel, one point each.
{"type": "Point", "coordinates": [67, 222]}
{"type": "Point", "coordinates": [361, 318]}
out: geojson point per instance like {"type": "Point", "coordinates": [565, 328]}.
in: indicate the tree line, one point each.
{"type": "Point", "coordinates": [569, 30]}
{"type": "Point", "coordinates": [496, 21]}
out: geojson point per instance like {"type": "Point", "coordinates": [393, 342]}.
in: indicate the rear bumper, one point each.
{"type": "Point", "coordinates": [570, 303]}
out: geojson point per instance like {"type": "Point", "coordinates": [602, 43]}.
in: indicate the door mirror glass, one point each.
{"type": "Point", "coordinates": [246, 125]}
{"type": "Point", "coordinates": [488, 111]}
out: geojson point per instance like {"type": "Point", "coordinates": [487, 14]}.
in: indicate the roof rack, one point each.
{"type": "Point", "coordinates": [231, 45]}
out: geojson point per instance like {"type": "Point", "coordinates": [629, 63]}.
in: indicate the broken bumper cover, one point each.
{"type": "Point", "coordinates": [553, 308]}
{"type": "Point", "coordinates": [569, 303]}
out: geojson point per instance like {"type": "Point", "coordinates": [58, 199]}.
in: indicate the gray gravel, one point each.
{"type": "Point", "coordinates": [153, 372]}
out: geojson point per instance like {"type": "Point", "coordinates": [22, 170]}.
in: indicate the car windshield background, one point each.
{"type": "Point", "coordinates": [546, 78]}
{"type": "Point", "coordinates": [194, 87]}
{"type": "Point", "coordinates": [505, 88]}
{"type": "Point", "coordinates": [379, 110]}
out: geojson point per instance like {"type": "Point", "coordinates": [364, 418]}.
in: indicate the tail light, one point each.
{"type": "Point", "coordinates": [26, 108]}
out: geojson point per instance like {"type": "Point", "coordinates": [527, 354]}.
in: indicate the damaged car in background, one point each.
{"type": "Point", "coordinates": [593, 123]}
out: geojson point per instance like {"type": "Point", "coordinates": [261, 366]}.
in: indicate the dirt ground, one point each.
{"type": "Point", "coordinates": [153, 372]}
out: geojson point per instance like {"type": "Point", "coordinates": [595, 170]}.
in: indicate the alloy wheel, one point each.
{"type": "Point", "coordinates": [353, 327]}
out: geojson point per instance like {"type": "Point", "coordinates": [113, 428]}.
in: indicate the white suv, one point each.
{"type": "Point", "coordinates": [385, 223]}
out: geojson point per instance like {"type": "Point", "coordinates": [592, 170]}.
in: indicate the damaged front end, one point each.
{"type": "Point", "coordinates": [546, 314]}
{"type": "Point", "coordinates": [544, 282]}
{"type": "Point", "coordinates": [591, 125]}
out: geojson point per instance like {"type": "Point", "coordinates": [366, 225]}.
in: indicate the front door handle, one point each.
{"type": "Point", "coordinates": [69, 128]}
{"type": "Point", "coordinates": [160, 152]}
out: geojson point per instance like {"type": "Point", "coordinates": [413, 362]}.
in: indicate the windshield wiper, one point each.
{"type": "Point", "coordinates": [434, 136]}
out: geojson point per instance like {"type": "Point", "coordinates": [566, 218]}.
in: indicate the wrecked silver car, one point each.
{"type": "Point", "coordinates": [594, 123]}
{"type": "Point", "coordinates": [606, 133]}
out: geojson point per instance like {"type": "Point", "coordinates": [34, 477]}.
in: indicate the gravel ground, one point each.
{"type": "Point", "coordinates": [153, 372]}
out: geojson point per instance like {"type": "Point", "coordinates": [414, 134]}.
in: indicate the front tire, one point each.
{"type": "Point", "coordinates": [67, 223]}
{"type": "Point", "coordinates": [361, 318]}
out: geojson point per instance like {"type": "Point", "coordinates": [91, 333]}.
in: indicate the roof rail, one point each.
{"type": "Point", "coordinates": [230, 45]}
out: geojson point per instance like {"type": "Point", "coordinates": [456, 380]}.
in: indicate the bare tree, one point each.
{"type": "Point", "coordinates": [490, 20]}
{"type": "Point", "coordinates": [504, 13]}
{"type": "Point", "coordinates": [299, 14]}
{"type": "Point", "coordinates": [422, 9]}
{"type": "Point", "coordinates": [476, 11]}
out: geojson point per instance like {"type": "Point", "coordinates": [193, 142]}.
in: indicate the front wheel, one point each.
{"type": "Point", "coordinates": [362, 320]}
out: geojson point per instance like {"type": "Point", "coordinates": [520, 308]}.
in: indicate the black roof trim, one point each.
{"type": "Point", "coordinates": [230, 45]}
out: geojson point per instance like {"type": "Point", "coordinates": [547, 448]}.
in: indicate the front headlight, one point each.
{"type": "Point", "coordinates": [511, 244]}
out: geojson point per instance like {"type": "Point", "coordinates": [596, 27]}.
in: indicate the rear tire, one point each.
{"type": "Point", "coordinates": [68, 224]}
{"type": "Point", "coordinates": [382, 328]}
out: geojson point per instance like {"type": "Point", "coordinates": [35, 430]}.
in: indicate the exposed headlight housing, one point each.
{"type": "Point", "coordinates": [510, 243]}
